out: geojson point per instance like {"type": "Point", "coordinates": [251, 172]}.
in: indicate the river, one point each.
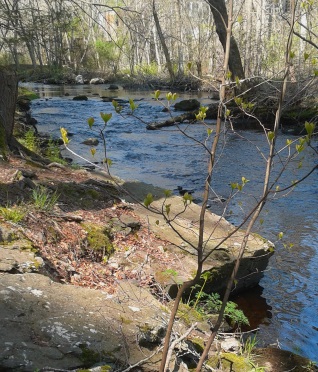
{"type": "Point", "coordinates": [285, 307]}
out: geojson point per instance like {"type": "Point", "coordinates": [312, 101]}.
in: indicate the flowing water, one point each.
{"type": "Point", "coordinates": [285, 307]}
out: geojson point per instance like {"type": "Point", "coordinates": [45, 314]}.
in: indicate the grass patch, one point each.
{"type": "Point", "coordinates": [44, 199]}
{"type": "Point", "coordinates": [29, 94]}
{"type": "Point", "coordinates": [14, 214]}
{"type": "Point", "coordinates": [53, 153]}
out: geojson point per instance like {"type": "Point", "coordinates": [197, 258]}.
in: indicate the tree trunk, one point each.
{"type": "Point", "coordinates": [220, 16]}
{"type": "Point", "coordinates": [162, 41]}
{"type": "Point", "coordinates": [8, 97]}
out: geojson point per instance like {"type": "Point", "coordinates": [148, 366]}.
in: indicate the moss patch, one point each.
{"type": "Point", "coordinates": [26, 93]}
{"type": "Point", "coordinates": [99, 240]}
{"type": "Point", "coordinates": [189, 315]}
{"type": "Point", "coordinates": [230, 362]}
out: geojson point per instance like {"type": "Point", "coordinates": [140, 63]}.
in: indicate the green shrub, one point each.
{"type": "Point", "coordinates": [53, 153]}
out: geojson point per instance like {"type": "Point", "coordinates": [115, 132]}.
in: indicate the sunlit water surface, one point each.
{"type": "Point", "coordinates": [168, 159]}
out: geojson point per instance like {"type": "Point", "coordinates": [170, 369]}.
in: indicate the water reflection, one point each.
{"type": "Point", "coordinates": [168, 159]}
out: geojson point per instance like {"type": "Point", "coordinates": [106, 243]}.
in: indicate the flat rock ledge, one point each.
{"type": "Point", "coordinates": [183, 238]}
{"type": "Point", "coordinates": [61, 326]}
{"type": "Point", "coordinates": [47, 324]}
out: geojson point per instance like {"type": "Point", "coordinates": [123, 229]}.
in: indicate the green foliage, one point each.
{"type": "Point", "coordinates": [310, 128]}
{"type": "Point", "coordinates": [132, 105]}
{"type": "Point", "coordinates": [117, 106]}
{"type": "Point", "coordinates": [148, 200]}
{"type": "Point", "coordinates": [187, 199]}
{"type": "Point", "coordinates": [148, 69]}
{"type": "Point", "coordinates": [301, 145]}
{"type": "Point", "coordinates": [211, 303]}
{"type": "Point", "coordinates": [157, 94]}
{"type": "Point", "coordinates": [44, 199]}
{"type": "Point", "coordinates": [30, 141]}
{"type": "Point", "coordinates": [53, 152]}
{"type": "Point", "coordinates": [230, 362]}
{"type": "Point", "coordinates": [250, 345]}
{"type": "Point", "coordinates": [167, 193]}
{"type": "Point", "coordinates": [90, 122]}
{"type": "Point", "coordinates": [106, 50]}
{"type": "Point", "coordinates": [246, 106]}
{"type": "Point", "coordinates": [202, 114]}
{"type": "Point", "coordinates": [29, 94]}
{"type": "Point", "coordinates": [239, 186]}
{"type": "Point", "coordinates": [14, 214]}
{"type": "Point", "coordinates": [106, 117]}
{"type": "Point", "coordinates": [171, 96]}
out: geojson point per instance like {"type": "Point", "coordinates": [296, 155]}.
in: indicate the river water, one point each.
{"type": "Point", "coordinates": [285, 307]}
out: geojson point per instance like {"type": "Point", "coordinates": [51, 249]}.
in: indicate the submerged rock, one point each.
{"type": "Point", "coordinates": [80, 98]}
{"type": "Point", "coordinates": [91, 142]}
{"type": "Point", "coordinates": [187, 105]}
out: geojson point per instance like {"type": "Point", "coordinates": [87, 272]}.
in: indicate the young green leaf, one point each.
{"type": "Point", "coordinates": [271, 136]}
{"type": "Point", "coordinates": [187, 198]}
{"type": "Point", "coordinates": [244, 180]}
{"type": "Point", "coordinates": [148, 200]}
{"type": "Point", "coordinates": [90, 121]}
{"type": "Point", "coordinates": [106, 117]}
{"type": "Point", "coordinates": [64, 136]}
{"type": "Point", "coordinates": [310, 127]}
{"type": "Point", "coordinates": [169, 96]}
{"type": "Point", "coordinates": [167, 193]}
{"type": "Point", "coordinates": [132, 105]}
{"type": "Point", "coordinates": [93, 151]}
{"type": "Point", "coordinates": [108, 161]}
{"type": "Point", "coordinates": [168, 208]}
{"type": "Point", "coordinates": [157, 94]}
{"type": "Point", "coordinates": [116, 106]}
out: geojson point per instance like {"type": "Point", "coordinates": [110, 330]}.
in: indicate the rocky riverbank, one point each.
{"type": "Point", "coordinates": [86, 282]}
{"type": "Point", "coordinates": [87, 273]}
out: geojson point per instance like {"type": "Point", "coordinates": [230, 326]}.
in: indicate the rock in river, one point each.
{"type": "Point", "coordinates": [91, 142]}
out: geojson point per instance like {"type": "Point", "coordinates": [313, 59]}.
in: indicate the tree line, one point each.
{"type": "Point", "coordinates": [156, 37]}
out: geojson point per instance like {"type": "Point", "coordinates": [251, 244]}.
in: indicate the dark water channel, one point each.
{"type": "Point", "coordinates": [288, 296]}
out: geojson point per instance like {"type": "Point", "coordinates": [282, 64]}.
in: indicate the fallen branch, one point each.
{"type": "Point", "coordinates": [177, 341]}
{"type": "Point", "coordinates": [172, 121]}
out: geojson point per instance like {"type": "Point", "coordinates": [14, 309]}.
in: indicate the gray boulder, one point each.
{"type": "Point", "coordinates": [187, 105]}
{"type": "Point", "coordinates": [79, 79]}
